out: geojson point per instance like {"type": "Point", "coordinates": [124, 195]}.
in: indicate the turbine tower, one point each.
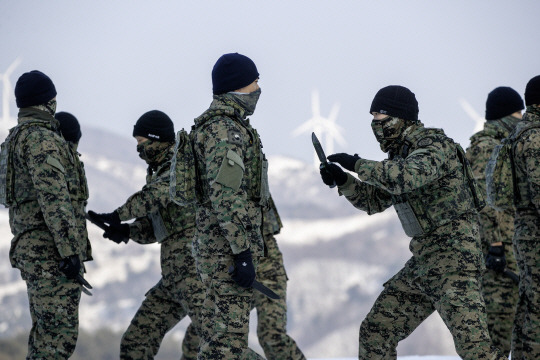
{"type": "Point", "coordinates": [7, 121]}
{"type": "Point", "coordinates": [476, 117]}
{"type": "Point", "coordinates": [326, 129]}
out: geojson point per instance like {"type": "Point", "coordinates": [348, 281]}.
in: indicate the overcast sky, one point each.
{"type": "Point", "coordinates": [111, 61]}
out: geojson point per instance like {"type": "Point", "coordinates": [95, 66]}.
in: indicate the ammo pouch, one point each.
{"type": "Point", "coordinates": [408, 219]}
{"type": "Point", "coordinates": [160, 231]}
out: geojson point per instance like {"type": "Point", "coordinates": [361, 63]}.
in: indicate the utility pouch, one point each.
{"type": "Point", "coordinates": [160, 231]}
{"type": "Point", "coordinates": [408, 219]}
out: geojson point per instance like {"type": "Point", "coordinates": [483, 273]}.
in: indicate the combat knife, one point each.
{"type": "Point", "coordinates": [320, 154]}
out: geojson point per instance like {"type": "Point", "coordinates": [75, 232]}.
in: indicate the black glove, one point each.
{"type": "Point", "coordinates": [108, 218]}
{"type": "Point", "coordinates": [345, 160]}
{"type": "Point", "coordinates": [495, 259]}
{"type": "Point", "coordinates": [70, 266]}
{"type": "Point", "coordinates": [331, 173]}
{"type": "Point", "coordinates": [244, 271]}
{"type": "Point", "coordinates": [117, 233]}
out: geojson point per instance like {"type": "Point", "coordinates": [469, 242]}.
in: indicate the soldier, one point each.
{"type": "Point", "coordinates": [526, 333]}
{"type": "Point", "coordinates": [233, 188]}
{"type": "Point", "coordinates": [179, 292]}
{"type": "Point", "coordinates": [503, 112]}
{"type": "Point", "coordinates": [272, 314]}
{"type": "Point", "coordinates": [46, 193]}
{"type": "Point", "coordinates": [430, 184]}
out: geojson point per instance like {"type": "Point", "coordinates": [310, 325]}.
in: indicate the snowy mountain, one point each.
{"type": "Point", "coordinates": [337, 258]}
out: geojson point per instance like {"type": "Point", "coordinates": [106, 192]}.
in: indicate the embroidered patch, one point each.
{"type": "Point", "coordinates": [234, 137]}
{"type": "Point", "coordinates": [425, 142]}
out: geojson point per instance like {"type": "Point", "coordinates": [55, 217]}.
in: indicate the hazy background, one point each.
{"type": "Point", "coordinates": [111, 61]}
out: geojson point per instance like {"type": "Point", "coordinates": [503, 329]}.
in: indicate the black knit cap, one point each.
{"type": "Point", "coordinates": [396, 101]}
{"type": "Point", "coordinates": [532, 91]}
{"type": "Point", "coordinates": [503, 101]}
{"type": "Point", "coordinates": [232, 72]}
{"type": "Point", "coordinates": [69, 126]}
{"type": "Point", "coordinates": [155, 125]}
{"type": "Point", "coordinates": [34, 88]}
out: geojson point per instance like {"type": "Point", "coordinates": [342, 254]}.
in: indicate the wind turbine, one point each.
{"type": "Point", "coordinates": [476, 117]}
{"type": "Point", "coordinates": [7, 121]}
{"type": "Point", "coordinates": [322, 127]}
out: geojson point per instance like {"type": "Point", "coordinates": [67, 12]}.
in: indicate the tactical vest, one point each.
{"type": "Point", "coordinates": [9, 194]}
{"type": "Point", "coordinates": [256, 168]}
{"type": "Point", "coordinates": [522, 195]}
{"type": "Point", "coordinates": [436, 204]}
{"type": "Point", "coordinates": [271, 221]}
{"type": "Point", "coordinates": [179, 214]}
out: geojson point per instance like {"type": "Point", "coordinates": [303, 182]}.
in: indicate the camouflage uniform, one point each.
{"type": "Point", "coordinates": [48, 222]}
{"type": "Point", "coordinates": [272, 314]}
{"type": "Point", "coordinates": [500, 292]}
{"type": "Point", "coordinates": [232, 187]}
{"type": "Point", "coordinates": [526, 335]}
{"type": "Point", "coordinates": [431, 191]}
{"type": "Point", "coordinates": [179, 292]}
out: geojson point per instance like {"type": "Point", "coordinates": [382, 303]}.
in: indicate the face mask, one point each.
{"type": "Point", "coordinates": [151, 151]}
{"type": "Point", "coordinates": [387, 131]}
{"type": "Point", "coordinates": [51, 106]}
{"type": "Point", "coordinates": [248, 101]}
{"type": "Point", "coordinates": [510, 122]}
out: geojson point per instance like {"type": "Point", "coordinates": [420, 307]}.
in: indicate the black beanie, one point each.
{"type": "Point", "coordinates": [69, 126]}
{"type": "Point", "coordinates": [532, 91]}
{"type": "Point", "coordinates": [501, 102]}
{"type": "Point", "coordinates": [155, 125]}
{"type": "Point", "coordinates": [232, 72]}
{"type": "Point", "coordinates": [396, 101]}
{"type": "Point", "coordinates": [34, 88]}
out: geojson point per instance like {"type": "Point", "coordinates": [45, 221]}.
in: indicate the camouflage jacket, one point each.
{"type": "Point", "coordinates": [48, 217]}
{"type": "Point", "coordinates": [527, 165]}
{"type": "Point", "coordinates": [230, 164]}
{"type": "Point", "coordinates": [430, 176]}
{"type": "Point", "coordinates": [495, 225]}
{"type": "Point", "coordinates": [157, 217]}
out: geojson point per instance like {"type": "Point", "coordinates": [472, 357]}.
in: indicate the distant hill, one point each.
{"type": "Point", "coordinates": [337, 258]}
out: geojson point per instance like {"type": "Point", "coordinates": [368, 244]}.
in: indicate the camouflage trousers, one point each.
{"type": "Point", "coordinates": [54, 309]}
{"type": "Point", "coordinates": [526, 334]}
{"type": "Point", "coordinates": [225, 312]}
{"type": "Point", "coordinates": [272, 314]}
{"type": "Point", "coordinates": [159, 312]}
{"type": "Point", "coordinates": [407, 300]}
{"type": "Point", "coordinates": [501, 296]}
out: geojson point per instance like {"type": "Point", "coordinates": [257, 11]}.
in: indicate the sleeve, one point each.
{"type": "Point", "coordinates": [364, 196]}
{"type": "Point", "coordinates": [223, 155]}
{"type": "Point", "coordinates": [141, 231]}
{"type": "Point", "coordinates": [423, 166]}
{"type": "Point", "coordinates": [490, 219]}
{"type": "Point", "coordinates": [149, 199]}
{"type": "Point", "coordinates": [44, 159]}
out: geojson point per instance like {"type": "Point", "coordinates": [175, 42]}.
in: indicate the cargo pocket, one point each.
{"type": "Point", "coordinates": [232, 307]}
{"type": "Point", "coordinates": [231, 171]}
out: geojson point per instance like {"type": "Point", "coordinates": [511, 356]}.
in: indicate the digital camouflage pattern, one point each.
{"type": "Point", "coordinates": [444, 272]}
{"type": "Point", "coordinates": [526, 334]}
{"type": "Point", "coordinates": [500, 293]}
{"type": "Point", "coordinates": [48, 222]}
{"type": "Point", "coordinates": [179, 292]}
{"type": "Point", "coordinates": [272, 314]}
{"type": "Point", "coordinates": [229, 161]}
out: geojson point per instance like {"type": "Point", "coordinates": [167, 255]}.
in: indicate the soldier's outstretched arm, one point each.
{"type": "Point", "coordinates": [421, 167]}
{"type": "Point", "coordinates": [149, 199]}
